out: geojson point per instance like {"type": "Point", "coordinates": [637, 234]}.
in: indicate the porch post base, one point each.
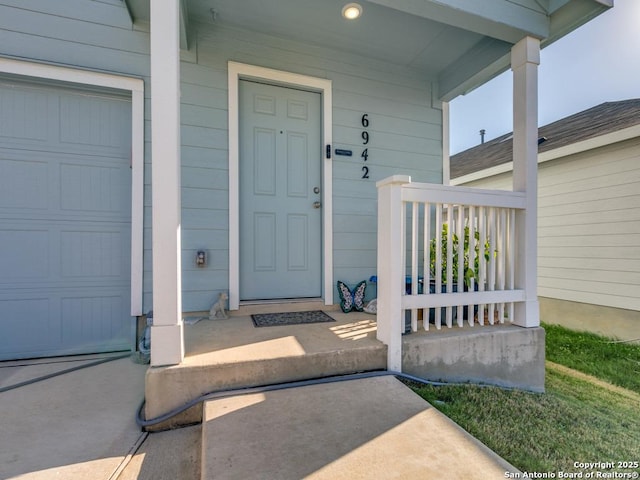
{"type": "Point", "coordinates": [527, 314]}
{"type": "Point", "coordinates": [167, 345]}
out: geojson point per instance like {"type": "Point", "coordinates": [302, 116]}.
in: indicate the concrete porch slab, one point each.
{"type": "Point", "coordinates": [233, 353]}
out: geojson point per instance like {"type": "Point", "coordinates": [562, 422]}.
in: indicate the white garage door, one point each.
{"type": "Point", "coordinates": [65, 221]}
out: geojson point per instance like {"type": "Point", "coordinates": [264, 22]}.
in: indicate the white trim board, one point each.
{"type": "Point", "coordinates": [136, 87]}
{"type": "Point", "coordinates": [238, 71]}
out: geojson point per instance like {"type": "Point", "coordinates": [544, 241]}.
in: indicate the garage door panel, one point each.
{"type": "Point", "coordinates": [28, 326]}
{"type": "Point", "coordinates": [94, 188]}
{"type": "Point", "coordinates": [24, 114]}
{"type": "Point", "coordinates": [74, 253]}
{"type": "Point", "coordinates": [107, 129]}
{"type": "Point", "coordinates": [24, 255]}
{"type": "Point", "coordinates": [101, 254]}
{"type": "Point", "coordinates": [23, 183]}
{"type": "Point", "coordinates": [94, 318]}
{"type": "Point", "coordinates": [52, 184]}
{"type": "Point", "coordinates": [65, 221]}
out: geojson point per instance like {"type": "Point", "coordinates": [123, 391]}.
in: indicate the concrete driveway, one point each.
{"type": "Point", "coordinates": [78, 425]}
{"type": "Point", "coordinates": [81, 425]}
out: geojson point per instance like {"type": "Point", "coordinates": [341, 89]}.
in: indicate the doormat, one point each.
{"type": "Point", "coordinates": [290, 318]}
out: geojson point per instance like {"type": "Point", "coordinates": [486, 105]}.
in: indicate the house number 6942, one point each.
{"type": "Point", "coordinates": [365, 141]}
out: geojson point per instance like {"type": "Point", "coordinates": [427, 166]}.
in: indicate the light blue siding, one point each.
{"type": "Point", "coordinates": [405, 127]}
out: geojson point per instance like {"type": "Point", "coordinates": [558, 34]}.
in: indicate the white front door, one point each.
{"type": "Point", "coordinates": [280, 192]}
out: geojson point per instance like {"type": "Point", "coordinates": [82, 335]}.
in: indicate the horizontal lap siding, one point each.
{"type": "Point", "coordinates": [588, 226]}
{"type": "Point", "coordinates": [405, 129]}
{"type": "Point", "coordinates": [405, 138]}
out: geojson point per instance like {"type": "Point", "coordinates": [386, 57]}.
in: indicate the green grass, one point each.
{"type": "Point", "coordinates": [604, 358]}
{"type": "Point", "coordinates": [575, 420]}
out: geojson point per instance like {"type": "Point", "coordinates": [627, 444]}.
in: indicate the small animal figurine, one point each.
{"type": "Point", "coordinates": [217, 309]}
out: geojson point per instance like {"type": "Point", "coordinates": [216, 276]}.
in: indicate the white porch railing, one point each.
{"type": "Point", "coordinates": [446, 255]}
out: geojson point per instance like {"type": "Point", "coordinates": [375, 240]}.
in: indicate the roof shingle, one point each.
{"type": "Point", "coordinates": [605, 118]}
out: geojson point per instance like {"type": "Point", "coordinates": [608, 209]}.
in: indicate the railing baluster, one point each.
{"type": "Point", "coordinates": [502, 245]}
{"type": "Point", "coordinates": [438, 269]}
{"type": "Point", "coordinates": [512, 259]}
{"type": "Point", "coordinates": [427, 262]}
{"type": "Point", "coordinates": [482, 266]}
{"type": "Point", "coordinates": [450, 235]}
{"type": "Point", "coordinates": [403, 229]}
{"type": "Point", "coordinates": [492, 262]}
{"type": "Point", "coordinates": [414, 262]}
{"type": "Point", "coordinates": [472, 259]}
{"type": "Point", "coordinates": [460, 273]}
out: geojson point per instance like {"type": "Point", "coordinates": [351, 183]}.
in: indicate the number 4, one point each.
{"type": "Point", "coordinates": [365, 154]}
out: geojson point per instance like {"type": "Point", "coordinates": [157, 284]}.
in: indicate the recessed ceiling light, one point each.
{"type": "Point", "coordinates": [351, 11]}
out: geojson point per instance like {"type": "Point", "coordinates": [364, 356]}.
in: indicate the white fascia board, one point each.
{"type": "Point", "coordinates": [572, 149]}
{"type": "Point", "coordinates": [486, 173]}
{"type": "Point", "coordinates": [507, 21]}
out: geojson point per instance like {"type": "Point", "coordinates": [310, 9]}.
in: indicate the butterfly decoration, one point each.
{"type": "Point", "coordinates": [352, 299]}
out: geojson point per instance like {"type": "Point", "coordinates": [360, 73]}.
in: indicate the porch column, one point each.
{"type": "Point", "coordinates": [446, 154]}
{"type": "Point", "coordinates": [167, 347]}
{"type": "Point", "coordinates": [390, 318]}
{"type": "Point", "coordinates": [525, 58]}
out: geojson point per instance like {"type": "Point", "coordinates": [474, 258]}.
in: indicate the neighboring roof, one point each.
{"type": "Point", "coordinates": [600, 120]}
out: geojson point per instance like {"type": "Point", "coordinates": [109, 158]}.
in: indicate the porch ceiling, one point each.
{"type": "Point", "coordinates": [460, 43]}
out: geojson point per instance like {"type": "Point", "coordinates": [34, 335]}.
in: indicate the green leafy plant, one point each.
{"type": "Point", "coordinates": [469, 271]}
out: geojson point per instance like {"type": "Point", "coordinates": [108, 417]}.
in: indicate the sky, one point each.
{"type": "Point", "coordinates": [599, 62]}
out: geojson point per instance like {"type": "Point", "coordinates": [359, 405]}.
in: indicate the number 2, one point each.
{"type": "Point", "coordinates": [366, 172]}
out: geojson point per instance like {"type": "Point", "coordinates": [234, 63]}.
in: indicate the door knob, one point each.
{"type": "Point", "coordinates": [316, 204]}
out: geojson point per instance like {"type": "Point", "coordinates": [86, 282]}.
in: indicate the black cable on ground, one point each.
{"type": "Point", "coordinates": [62, 372]}
{"type": "Point", "coordinates": [282, 386]}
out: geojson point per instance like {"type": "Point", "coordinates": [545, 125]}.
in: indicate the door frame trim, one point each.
{"type": "Point", "coordinates": [119, 82]}
{"type": "Point", "coordinates": [241, 71]}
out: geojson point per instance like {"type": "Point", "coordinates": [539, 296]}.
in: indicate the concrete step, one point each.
{"type": "Point", "coordinates": [232, 353]}
{"type": "Point", "coordinates": [365, 428]}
